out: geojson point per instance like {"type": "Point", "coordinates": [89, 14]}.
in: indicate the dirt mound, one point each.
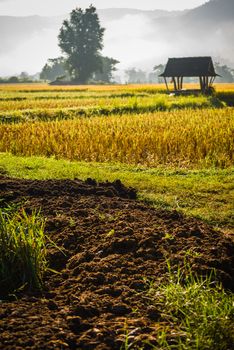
{"type": "Point", "coordinates": [10, 189]}
{"type": "Point", "coordinates": [113, 246]}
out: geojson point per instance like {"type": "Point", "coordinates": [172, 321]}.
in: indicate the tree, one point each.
{"type": "Point", "coordinates": [13, 79]}
{"type": "Point", "coordinates": [159, 69]}
{"type": "Point", "coordinates": [24, 77]}
{"type": "Point", "coordinates": [226, 73]}
{"type": "Point", "coordinates": [81, 38]}
{"type": "Point", "coordinates": [54, 68]}
{"type": "Point", "coordinates": [108, 67]}
{"type": "Point", "coordinates": [136, 76]}
{"type": "Point", "coordinates": [153, 78]}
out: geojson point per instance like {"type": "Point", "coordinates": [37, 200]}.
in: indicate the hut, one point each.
{"type": "Point", "coordinates": [200, 67]}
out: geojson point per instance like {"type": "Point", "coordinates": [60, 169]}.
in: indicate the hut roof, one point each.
{"type": "Point", "coordinates": [189, 67]}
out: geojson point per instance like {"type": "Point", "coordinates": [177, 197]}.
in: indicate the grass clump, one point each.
{"type": "Point", "coordinates": [22, 250]}
{"type": "Point", "coordinates": [195, 313]}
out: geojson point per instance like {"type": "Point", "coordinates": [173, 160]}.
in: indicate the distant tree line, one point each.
{"type": "Point", "coordinates": [56, 70]}
{"type": "Point", "coordinates": [23, 77]}
{"type": "Point", "coordinates": [138, 76]}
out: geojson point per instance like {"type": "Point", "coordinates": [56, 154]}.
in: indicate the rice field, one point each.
{"type": "Point", "coordinates": [97, 253]}
{"type": "Point", "coordinates": [139, 125]}
{"type": "Point", "coordinates": [181, 138]}
{"type": "Point", "coordinates": [100, 102]}
{"type": "Point", "coordinates": [20, 106]}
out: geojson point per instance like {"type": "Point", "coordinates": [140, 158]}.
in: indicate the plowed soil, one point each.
{"type": "Point", "coordinates": [113, 245]}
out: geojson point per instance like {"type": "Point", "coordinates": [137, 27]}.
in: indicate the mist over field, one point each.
{"type": "Point", "coordinates": [137, 38]}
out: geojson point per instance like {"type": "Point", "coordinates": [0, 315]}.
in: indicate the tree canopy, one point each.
{"type": "Point", "coordinates": [81, 39]}
{"type": "Point", "coordinates": [135, 76]}
{"type": "Point", "coordinates": [105, 73]}
{"type": "Point", "coordinates": [54, 68]}
{"type": "Point", "coordinates": [226, 73]}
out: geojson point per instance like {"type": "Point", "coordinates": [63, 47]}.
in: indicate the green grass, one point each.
{"type": "Point", "coordinates": [22, 251]}
{"type": "Point", "coordinates": [207, 194]}
{"type": "Point", "coordinates": [194, 313]}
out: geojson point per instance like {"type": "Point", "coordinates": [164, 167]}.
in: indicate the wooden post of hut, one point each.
{"type": "Point", "coordinates": [199, 67]}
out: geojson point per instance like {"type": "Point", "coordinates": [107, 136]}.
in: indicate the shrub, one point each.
{"type": "Point", "coordinates": [22, 250]}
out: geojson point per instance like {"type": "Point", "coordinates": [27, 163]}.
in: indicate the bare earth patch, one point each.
{"type": "Point", "coordinates": [112, 246]}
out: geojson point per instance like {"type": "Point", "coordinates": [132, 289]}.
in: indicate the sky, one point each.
{"type": "Point", "coordinates": [58, 7]}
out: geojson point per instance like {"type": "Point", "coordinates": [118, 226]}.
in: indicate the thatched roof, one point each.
{"type": "Point", "coordinates": [189, 67]}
